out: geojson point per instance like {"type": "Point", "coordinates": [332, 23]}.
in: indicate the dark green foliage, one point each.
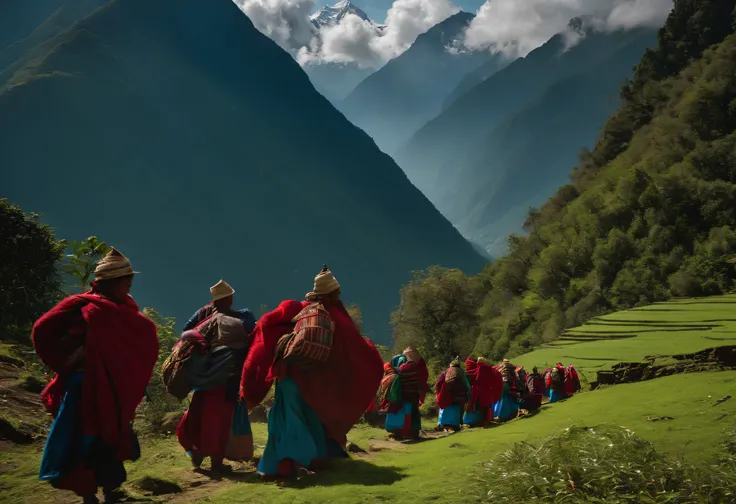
{"type": "Point", "coordinates": [158, 404]}
{"type": "Point", "coordinates": [604, 464]}
{"type": "Point", "coordinates": [29, 282]}
{"type": "Point", "coordinates": [81, 263]}
{"type": "Point", "coordinates": [437, 314]}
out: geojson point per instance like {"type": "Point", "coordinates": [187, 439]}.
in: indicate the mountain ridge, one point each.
{"type": "Point", "coordinates": [290, 223]}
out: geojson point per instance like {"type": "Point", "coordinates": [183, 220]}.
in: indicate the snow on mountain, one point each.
{"type": "Point", "coordinates": [331, 15]}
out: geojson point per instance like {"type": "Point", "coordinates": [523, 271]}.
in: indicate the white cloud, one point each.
{"type": "Point", "coordinates": [519, 26]}
{"type": "Point", "coordinates": [286, 22]}
{"type": "Point", "coordinates": [353, 39]}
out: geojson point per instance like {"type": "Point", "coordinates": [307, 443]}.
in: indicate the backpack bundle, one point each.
{"type": "Point", "coordinates": [308, 345]}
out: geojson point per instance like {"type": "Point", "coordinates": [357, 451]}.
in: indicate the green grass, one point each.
{"type": "Point", "coordinates": [452, 468]}
{"type": "Point", "coordinates": [670, 328]}
{"type": "Point", "coordinates": [447, 467]}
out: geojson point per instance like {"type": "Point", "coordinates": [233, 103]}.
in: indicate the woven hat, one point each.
{"type": "Point", "coordinates": [113, 265]}
{"type": "Point", "coordinates": [412, 354]}
{"type": "Point", "coordinates": [481, 359]}
{"type": "Point", "coordinates": [325, 283]}
{"type": "Point", "coordinates": [221, 290]}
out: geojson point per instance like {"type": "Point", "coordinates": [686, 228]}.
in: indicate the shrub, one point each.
{"type": "Point", "coordinates": [605, 464]}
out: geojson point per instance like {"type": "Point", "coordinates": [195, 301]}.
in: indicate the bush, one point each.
{"type": "Point", "coordinates": [605, 464]}
{"type": "Point", "coordinates": [157, 409]}
{"type": "Point", "coordinates": [29, 282]}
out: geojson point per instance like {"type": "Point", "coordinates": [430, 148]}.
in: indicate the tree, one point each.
{"type": "Point", "coordinates": [29, 282]}
{"type": "Point", "coordinates": [356, 315]}
{"type": "Point", "coordinates": [438, 313]}
{"type": "Point", "coordinates": [82, 261]}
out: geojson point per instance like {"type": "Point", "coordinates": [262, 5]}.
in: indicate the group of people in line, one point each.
{"type": "Point", "coordinates": [103, 352]}
{"type": "Point", "coordinates": [474, 396]}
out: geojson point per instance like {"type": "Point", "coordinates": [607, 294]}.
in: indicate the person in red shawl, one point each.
{"type": "Point", "coordinates": [216, 424]}
{"type": "Point", "coordinates": [486, 385]}
{"type": "Point", "coordinates": [555, 381]}
{"type": "Point", "coordinates": [326, 375]}
{"type": "Point", "coordinates": [103, 351]}
{"type": "Point", "coordinates": [453, 390]}
{"type": "Point", "coordinates": [402, 392]}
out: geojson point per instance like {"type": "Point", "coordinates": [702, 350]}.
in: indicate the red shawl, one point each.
{"type": "Point", "coordinates": [486, 384]}
{"type": "Point", "coordinates": [423, 375]}
{"type": "Point", "coordinates": [572, 381]}
{"type": "Point", "coordinates": [121, 349]}
{"type": "Point", "coordinates": [339, 391]}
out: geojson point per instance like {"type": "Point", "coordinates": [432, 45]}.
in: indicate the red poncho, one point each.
{"type": "Point", "coordinates": [120, 351]}
{"type": "Point", "coordinates": [423, 375]}
{"type": "Point", "coordinates": [339, 391]}
{"type": "Point", "coordinates": [486, 384]}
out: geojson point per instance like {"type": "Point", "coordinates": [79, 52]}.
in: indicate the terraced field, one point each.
{"type": "Point", "coordinates": [671, 328]}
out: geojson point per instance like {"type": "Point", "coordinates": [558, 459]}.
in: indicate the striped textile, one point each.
{"type": "Point", "coordinates": [409, 373]}
{"type": "Point", "coordinates": [310, 343]}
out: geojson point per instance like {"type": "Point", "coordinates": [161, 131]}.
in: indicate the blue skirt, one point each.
{"type": "Point", "coordinates": [241, 422]}
{"type": "Point", "coordinates": [476, 417]}
{"type": "Point", "coordinates": [452, 416]}
{"type": "Point", "coordinates": [67, 448]}
{"type": "Point", "coordinates": [294, 431]}
{"type": "Point", "coordinates": [556, 395]}
{"type": "Point", "coordinates": [506, 408]}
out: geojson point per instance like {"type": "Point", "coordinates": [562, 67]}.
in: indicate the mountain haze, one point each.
{"type": "Point", "coordinates": [179, 133]}
{"type": "Point", "coordinates": [409, 90]}
{"type": "Point", "coordinates": [509, 142]}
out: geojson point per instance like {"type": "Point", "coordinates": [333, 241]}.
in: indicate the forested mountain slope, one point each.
{"type": "Point", "coordinates": [649, 212]}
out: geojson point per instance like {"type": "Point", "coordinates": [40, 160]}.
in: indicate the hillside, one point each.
{"type": "Point", "coordinates": [35, 42]}
{"type": "Point", "coordinates": [395, 101]}
{"type": "Point", "coordinates": [684, 416]}
{"type": "Point", "coordinates": [335, 81]}
{"type": "Point", "coordinates": [509, 142]}
{"type": "Point", "coordinates": [145, 125]}
{"type": "Point", "coordinates": [649, 212]}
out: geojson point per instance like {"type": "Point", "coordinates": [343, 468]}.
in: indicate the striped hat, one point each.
{"type": "Point", "coordinates": [113, 265]}
{"type": "Point", "coordinates": [325, 283]}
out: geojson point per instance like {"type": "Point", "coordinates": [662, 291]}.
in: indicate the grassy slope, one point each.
{"type": "Point", "coordinates": [448, 467]}
{"type": "Point", "coordinates": [671, 328]}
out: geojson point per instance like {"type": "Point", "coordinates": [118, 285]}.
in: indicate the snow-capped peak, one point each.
{"type": "Point", "coordinates": [331, 15]}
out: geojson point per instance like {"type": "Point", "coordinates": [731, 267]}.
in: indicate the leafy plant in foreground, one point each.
{"type": "Point", "coordinates": [603, 464]}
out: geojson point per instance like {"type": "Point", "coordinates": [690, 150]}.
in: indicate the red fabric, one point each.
{"type": "Point", "coordinates": [572, 381]}
{"type": "Point", "coordinates": [121, 349]}
{"type": "Point", "coordinates": [423, 374]}
{"type": "Point", "coordinates": [340, 390]}
{"type": "Point", "coordinates": [256, 380]}
{"type": "Point", "coordinates": [486, 384]}
{"type": "Point", "coordinates": [205, 427]}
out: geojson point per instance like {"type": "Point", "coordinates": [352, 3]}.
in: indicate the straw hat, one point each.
{"type": "Point", "coordinates": [325, 283]}
{"type": "Point", "coordinates": [412, 354]}
{"type": "Point", "coordinates": [481, 359]}
{"type": "Point", "coordinates": [221, 290]}
{"type": "Point", "coordinates": [113, 265]}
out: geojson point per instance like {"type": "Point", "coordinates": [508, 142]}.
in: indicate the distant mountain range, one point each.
{"type": "Point", "coordinates": [336, 80]}
{"type": "Point", "coordinates": [508, 143]}
{"type": "Point", "coordinates": [392, 103]}
{"type": "Point", "coordinates": [330, 15]}
{"type": "Point", "coordinates": [144, 125]}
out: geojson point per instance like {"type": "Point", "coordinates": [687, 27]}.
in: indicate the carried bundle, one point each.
{"type": "Point", "coordinates": [202, 357]}
{"type": "Point", "coordinates": [308, 345]}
